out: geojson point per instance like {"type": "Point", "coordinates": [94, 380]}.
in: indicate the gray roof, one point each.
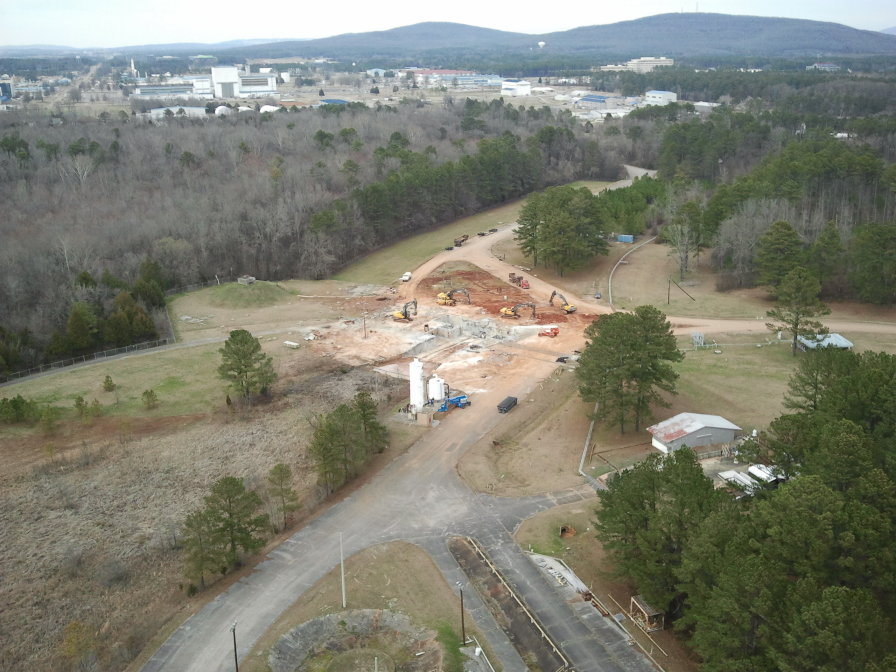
{"type": "Point", "coordinates": [688, 423]}
{"type": "Point", "coordinates": [825, 341]}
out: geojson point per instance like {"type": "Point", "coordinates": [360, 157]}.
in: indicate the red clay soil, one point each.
{"type": "Point", "coordinates": [491, 294]}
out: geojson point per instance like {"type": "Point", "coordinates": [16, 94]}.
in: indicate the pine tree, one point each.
{"type": "Point", "coordinates": [244, 364]}
{"type": "Point", "coordinates": [374, 433]}
{"type": "Point", "coordinates": [778, 251]}
{"type": "Point", "coordinates": [626, 363]}
{"type": "Point", "coordinates": [204, 552]}
{"type": "Point", "coordinates": [280, 489]}
{"type": "Point", "coordinates": [798, 305]}
{"type": "Point", "coordinates": [233, 518]}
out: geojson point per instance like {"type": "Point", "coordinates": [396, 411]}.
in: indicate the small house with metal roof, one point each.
{"type": "Point", "coordinates": [692, 430]}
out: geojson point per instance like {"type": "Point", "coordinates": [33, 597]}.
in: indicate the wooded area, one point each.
{"type": "Point", "coordinates": [94, 208]}
{"type": "Point", "coordinates": [796, 578]}
{"type": "Point", "coordinates": [104, 215]}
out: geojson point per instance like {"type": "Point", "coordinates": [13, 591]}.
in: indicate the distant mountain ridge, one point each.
{"type": "Point", "coordinates": [674, 35]}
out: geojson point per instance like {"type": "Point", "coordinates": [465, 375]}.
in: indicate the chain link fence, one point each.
{"type": "Point", "coordinates": [104, 354]}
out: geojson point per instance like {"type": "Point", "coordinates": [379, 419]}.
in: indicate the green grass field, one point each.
{"type": "Point", "coordinates": [185, 381]}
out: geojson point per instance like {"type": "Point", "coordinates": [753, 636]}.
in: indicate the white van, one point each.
{"type": "Point", "coordinates": [406, 277]}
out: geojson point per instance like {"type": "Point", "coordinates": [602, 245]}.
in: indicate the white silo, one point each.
{"type": "Point", "coordinates": [436, 388]}
{"type": "Point", "coordinates": [417, 386]}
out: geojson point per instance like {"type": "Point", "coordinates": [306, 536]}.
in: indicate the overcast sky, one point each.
{"type": "Point", "coordinates": [103, 23]}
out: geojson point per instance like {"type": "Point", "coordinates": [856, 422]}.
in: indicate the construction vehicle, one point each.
{"type": "Point", "coordinates": [460, 241]}
{"type": "Point", "coordinates": [404, 315]}
{"type": "Point", "coordinates": [552, 332]}
{"type": "Point", "coordinates": [519, 281]}
{"type": "Point", "coordinates": [514, 311]}
{"type": "Point", "coordinates": [564, 304]}
{"type": "Point", "coordinates": [460, 401]}
{"type": "Point", "coordinates": [447, 298]}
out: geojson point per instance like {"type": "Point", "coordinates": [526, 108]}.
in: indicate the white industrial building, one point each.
{"type": "Point", "coordinates": [231, 82]}
{"type": "Point", "coordinates": [643, 64]}
{"type": "Point", "coordinates": [223, 82]}
{"type": "Point", "coordinates": [660, 98]}
{"type": "Point", "coordinates": [516, 87]}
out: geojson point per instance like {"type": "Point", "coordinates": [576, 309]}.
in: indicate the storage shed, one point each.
{"type": "Point", "coordinates": [823, 341]}
{"type": "Point", "coordinates": [692, 430]}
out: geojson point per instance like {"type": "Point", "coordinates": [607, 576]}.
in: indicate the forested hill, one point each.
{"type": "Point", "coordinates": [675, 35]}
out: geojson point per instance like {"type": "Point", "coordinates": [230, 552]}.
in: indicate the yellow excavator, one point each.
{"type": "Point", "coordinates": [565, 305]}
{"type": "Point", "coordinates": [514, 311]}
{"type": "Point", "coordinates": [405, 314]}
{"type": "Point", "coordinates": [447, 298]}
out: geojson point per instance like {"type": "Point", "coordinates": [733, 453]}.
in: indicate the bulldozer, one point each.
{"type": "Point", "coordinates": [565, 305]}
{"type": "Point", "coordinates": [404, 315]}
{"type": "Point", "coordinates": [447, 298]}
{"type": "Point", "coordinates": [514, 311]}
{"type": "Point", "coordinates": [460, 241]}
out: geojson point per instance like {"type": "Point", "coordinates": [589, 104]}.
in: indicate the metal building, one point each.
{"type": "Point", "coordinates": [692, 430]}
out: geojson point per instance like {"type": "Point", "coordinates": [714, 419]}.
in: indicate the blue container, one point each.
{"type": "Point", "coordinates": [625, 238]}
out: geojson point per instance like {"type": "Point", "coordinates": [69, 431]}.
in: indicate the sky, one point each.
{"type": "Point", "coordinates": [104, 23]}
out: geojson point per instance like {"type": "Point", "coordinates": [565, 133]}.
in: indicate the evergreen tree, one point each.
{"type": "Point", "coordinates": [204, 551]}
{"type": "Point", "coordinates": [826, 260]}
{"type": "Point", "coordinates": [778, 251]}
{"type": "Point", "coordinates": [626, 363]}
{"type": "Point", "coordinates": [326, 452]}
{"type": "Point", "coordinates": [646, 517]}
{"type": "Point", "coordinates": [374, 434]}
{"type": "Point", "coordinates": [80, 330]}
{"type": "Point", "coordinates": [233, 518]}
{"type": "Point", "coordinates": [798, 305]}
{"type": "Point", "coordinates": [873, 256]}
{"type": "Point", "coordinates": [244, 364]}
{"type": "Point", "coordinates": [561, 227]}
{"type": "Point", "coordinates": [280, 489]}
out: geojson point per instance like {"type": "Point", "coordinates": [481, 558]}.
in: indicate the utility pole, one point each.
{"type": "Point", "coordinates": [236, 662]}
{"type": "Point", "coordinates": [341, 571]}
{"type": "Point", "coordinates": [463, 629]}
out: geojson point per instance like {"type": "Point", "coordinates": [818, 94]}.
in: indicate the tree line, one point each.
{"type": "Point", "coordinates": [800, 577]}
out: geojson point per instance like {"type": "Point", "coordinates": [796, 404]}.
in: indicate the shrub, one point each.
{"type": "Point", "coordinates": [150, 399]}
{"type": "Point", "coordinates": [18, 409]}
